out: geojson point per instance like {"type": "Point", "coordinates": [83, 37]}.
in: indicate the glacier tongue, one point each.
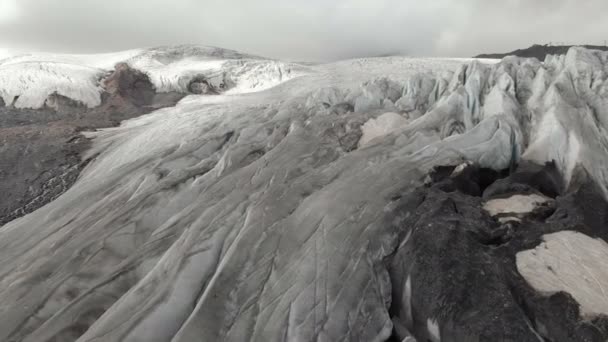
{"type": "Point", "coordinates": [258, 217]}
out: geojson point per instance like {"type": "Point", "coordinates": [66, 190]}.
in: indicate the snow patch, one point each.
{"type": "Point", "coordinates": [517, 204]}
{"type": "Point", "coordinates": [572, 262]}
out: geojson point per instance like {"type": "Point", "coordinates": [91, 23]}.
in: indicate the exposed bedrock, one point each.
{"type": "Point", "coordinates": [130, 85]}
{"type": "Point", "coordinates": [463, 274]}
{"type": "Point", "coordinates": [262, 217]}
{"type": "Point", "coordinates": [128, 90]}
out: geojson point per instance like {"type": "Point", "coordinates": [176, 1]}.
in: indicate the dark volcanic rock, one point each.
{"type": "Point", "coordinates": [455, 276]}
{"type": "Point", "coordinates": [528, 178]}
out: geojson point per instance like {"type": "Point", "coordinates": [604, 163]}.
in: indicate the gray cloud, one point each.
{"type": "Point", "coordinates": [304, 30]}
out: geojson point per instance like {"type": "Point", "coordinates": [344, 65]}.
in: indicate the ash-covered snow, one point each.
{"type": "Point", "coordinates": [255, 217]}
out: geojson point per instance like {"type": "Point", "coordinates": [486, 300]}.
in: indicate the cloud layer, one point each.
{"type": "Point", "coordinates": [303, 30]}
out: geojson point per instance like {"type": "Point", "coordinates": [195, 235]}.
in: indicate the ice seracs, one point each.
{"type": "Point", "coordinates": [29, 84]}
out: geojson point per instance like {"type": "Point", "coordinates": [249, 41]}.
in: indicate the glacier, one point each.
{"type": "Point", "coordinates": [318, 202]}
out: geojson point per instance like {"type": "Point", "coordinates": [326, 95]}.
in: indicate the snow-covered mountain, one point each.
{"type": "Point", "coordinates": [364, 200]}
{"type": "Point", "coordinates": [27, 80]}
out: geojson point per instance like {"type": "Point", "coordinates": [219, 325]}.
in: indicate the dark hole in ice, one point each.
{"type": "Point", "coordinates": [472, 180]}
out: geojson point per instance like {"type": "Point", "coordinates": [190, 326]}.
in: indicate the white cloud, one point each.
{"type": "Point", "coordinates": [303, 29]}
{"type": "Point", "coordinates": [9, 10]}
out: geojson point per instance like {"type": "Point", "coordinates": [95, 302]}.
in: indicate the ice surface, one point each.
{"type": "Point", "coordinates": [384, 124]}
{"type": "Point", "coordinates": [254, 216]}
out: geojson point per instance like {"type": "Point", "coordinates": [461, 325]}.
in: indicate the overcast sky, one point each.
{"type": "Point", "coordinates": [303, 29]}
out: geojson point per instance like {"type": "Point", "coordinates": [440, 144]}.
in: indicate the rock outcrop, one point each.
{"type": "Point", "coordinates": [126, 84]}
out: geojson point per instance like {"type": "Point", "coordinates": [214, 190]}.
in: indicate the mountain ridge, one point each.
{"type": "Point", "coordinates": [540, 52]}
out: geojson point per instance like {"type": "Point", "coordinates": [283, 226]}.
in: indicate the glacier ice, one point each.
{"type": "Point", "coordinates": [260, 216]}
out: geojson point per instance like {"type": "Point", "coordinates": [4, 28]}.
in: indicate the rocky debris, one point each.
{"type": "Point", "coordinates": [37, 164]}
{"type": "Point", "coordinates": [462, 275]}
{"type": "Point", "coordinates": [2, 104]}
{"type": "Point", "coordinates": [41, 150]}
